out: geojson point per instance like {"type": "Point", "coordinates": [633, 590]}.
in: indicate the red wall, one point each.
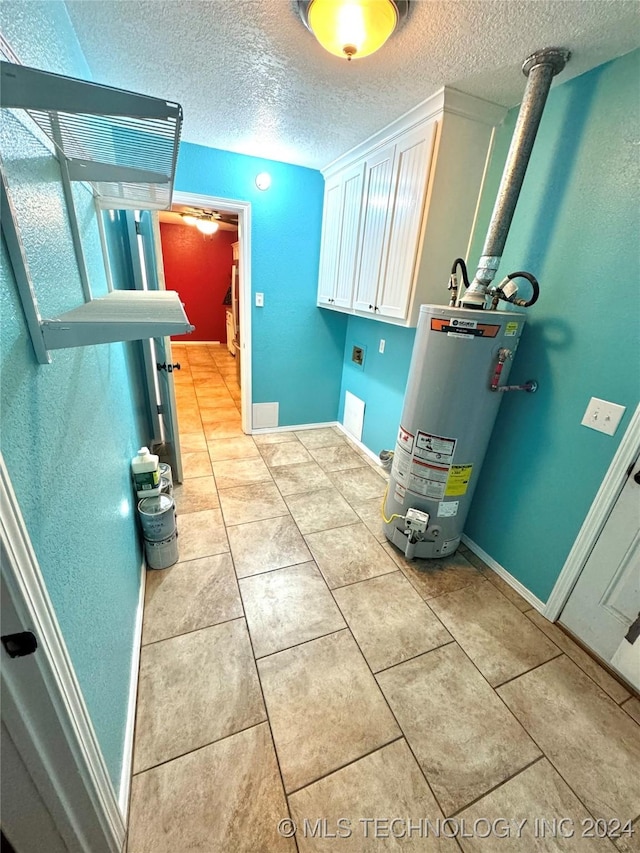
{"type": "Point", "coordinates": [198, 267]}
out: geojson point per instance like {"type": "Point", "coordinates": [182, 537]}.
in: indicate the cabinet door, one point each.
{"type": "Point", "coordinates": [378, 186]}
{"type": "Point", "coordinates": [413, 162]}
{"type": "Point", "coordinates": [330, 247]}
{"type": "Point", "coordinates": [351, 203]}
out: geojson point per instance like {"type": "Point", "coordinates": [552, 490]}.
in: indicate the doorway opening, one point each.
{"type": "Point", "coordinates": [200, 254]}
{"type": "Point", "coordinates": [211, 392]}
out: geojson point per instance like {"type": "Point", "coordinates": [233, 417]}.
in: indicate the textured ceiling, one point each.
{"type": "Point", "coordinates": [252, 79]}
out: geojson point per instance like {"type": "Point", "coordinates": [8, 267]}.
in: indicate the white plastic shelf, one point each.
{"type": "Point", "coordinates": [123, 315]}
{"type": "Point", "coordinates": [125, 146]}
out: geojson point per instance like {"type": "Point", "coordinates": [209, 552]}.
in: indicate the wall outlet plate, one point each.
{"type": "Point", "coordinates": [603, 416]}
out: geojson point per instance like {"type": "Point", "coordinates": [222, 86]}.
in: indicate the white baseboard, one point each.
{"type": "Point", "coordinates": [360, 445]}
{"type": "Point", "coordinates": [296, 427]}
{"type": "Point", "coordinates": [127, 758]}
{"type": "Point", "coordinates": [533, 600]}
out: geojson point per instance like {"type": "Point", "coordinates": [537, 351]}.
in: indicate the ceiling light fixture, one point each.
{"type": "Point", "coordinates": [189, 219]}
{"type": "Point", "coordinates": [352, 28]}
{"type": "Point", "coordinates": [207, 226]}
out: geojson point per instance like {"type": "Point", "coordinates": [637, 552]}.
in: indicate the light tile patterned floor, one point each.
{"type": "Point", "coordinates": [295, 665]}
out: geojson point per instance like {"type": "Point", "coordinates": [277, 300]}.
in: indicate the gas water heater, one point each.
{"type": "Point", "coordinates": [460, 365]}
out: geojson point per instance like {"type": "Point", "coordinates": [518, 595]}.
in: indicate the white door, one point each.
{"type": "Point", "coordinates": [331, 216]}
{"type": "Point", "coordinates": [604, 606]}
{"type": "Point", "coordinates": [159, 361]}
{"type": "Point", "coordinates": [26, 821]}
{"type": "Point", "coordinates": [413, 159]}
{"type": "Point", "coordinates": [378, 187]}
{"type": "Point", "coordinates": [56, 792]}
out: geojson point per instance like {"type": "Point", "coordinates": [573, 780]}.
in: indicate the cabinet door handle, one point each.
{"type": "Point", "coordinates": [370, 306]}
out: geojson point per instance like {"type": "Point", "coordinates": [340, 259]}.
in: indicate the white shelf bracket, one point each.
{"type": "Point", "coordinates": [71, 212]}
{"type": "Point", "coordinates": [21, 271]}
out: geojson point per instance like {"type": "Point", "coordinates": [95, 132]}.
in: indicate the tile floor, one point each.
{"type": "Point", "coordinates": [294, 665]}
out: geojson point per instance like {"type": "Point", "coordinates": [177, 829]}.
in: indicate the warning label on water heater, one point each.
{"type": "Point", "coordinates": [405, 439]}
{"type": "Point", "coordinates": [435, 448]}
{"type": "Point", "coordinates": [458, 481]}
{"type": "Point", "coordinates": [426, 470]}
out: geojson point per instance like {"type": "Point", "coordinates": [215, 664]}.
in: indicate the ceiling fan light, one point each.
{"type": "Point", "coordinates": [189, 219]}
{"type": "Point", "coordinates": [352, 28]}
{"type": "Point", "coordinates": [207, 226]}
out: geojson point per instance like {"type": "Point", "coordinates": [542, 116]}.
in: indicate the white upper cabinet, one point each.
{"type": "Point", "coordinates": [340, 232]}
{"type": "Point", "coordinates": [331, 222]}
{"type": "Point", "coordinates": [401, 207]}
{"type": "Point", "coordinates": [349, 232]}
{"type": "Point", "coordinates": [376, 203]}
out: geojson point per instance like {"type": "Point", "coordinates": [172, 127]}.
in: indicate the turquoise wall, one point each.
{"type": "Point", "coordinates": [576, 227]}
{"type": "Point", "coordinates": [297, 349]}
{"type": "Point", "coordinates": [381, 380]}
{"type": "Point", "coordinates": [69, 428]}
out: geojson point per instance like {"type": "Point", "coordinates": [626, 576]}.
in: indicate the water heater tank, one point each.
{"type": "Point", "coordinates": [447, 419]}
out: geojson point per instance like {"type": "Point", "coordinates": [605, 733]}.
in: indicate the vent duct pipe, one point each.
{"type": "Point", "coordinates": [540, 69]}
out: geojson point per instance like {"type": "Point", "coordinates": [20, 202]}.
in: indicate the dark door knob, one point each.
{"type": "Point", "coordinates": [636, 477]}
{"type": "Point", "coordinates": [19, 645]}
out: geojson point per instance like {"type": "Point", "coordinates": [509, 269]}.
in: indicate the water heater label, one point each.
{"type": "Point", "coordinates": [457, 327]}
{"type": "Point", "coordinates": [511, 329]}
{"type": "Point", "coordinates": [448, 508]}
{"type": "Point", "coordinates": [458, 481]}
{"type": "Point", "coordinates": [434, 448]}
{"type": "Point", "coordinates": [399, 493]}
{"type": "Point", "coordinates": [405, 439]}
{"type": "Point", "coordinates": [401, 468]}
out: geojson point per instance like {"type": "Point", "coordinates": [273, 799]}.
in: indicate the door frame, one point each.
{"type": "Point", "coordinates": [43, 708]}
{"type": "Point", "coordinates": [596, 518]}
{"type": "Point", "coordinates": [243, 211]}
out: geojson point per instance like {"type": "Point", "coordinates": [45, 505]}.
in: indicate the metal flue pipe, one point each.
{"type": "Point", "coordinates": [540, 69]}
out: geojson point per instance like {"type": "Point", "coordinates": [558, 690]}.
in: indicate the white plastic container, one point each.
{"type": "Point", "coordinates": [146, 473]}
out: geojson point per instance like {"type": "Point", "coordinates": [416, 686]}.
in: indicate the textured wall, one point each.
{"type": "Point", "coordinates": [69, 428]}
{"type": "Point", "coordinates": [381, 380]}
{"type": "Point", "coordinates": [198, 267]}
{"type": "Point", "coordinates": [576, 227]}
{"type": "Point", "coordinates": [297, 347]}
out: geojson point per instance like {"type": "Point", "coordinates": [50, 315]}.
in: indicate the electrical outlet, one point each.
{"type": "Point", "coordinates": [381, 347]}
{"type": "Point", "coordinates": [603, 416]}
{"type": "Point", "coordinates": [259, 300]}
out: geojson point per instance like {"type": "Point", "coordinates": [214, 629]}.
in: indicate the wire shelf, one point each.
{"type": "Point", "coordinates": [123, 144]}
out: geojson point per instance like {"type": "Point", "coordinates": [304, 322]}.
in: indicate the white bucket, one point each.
{"type": "Point", "coordinates": [161, 555]}
{"type": "Point", "coordinates": [157, 517]}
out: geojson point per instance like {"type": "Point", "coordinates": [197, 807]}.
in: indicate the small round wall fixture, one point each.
{"type": "Point", "coordinates": [263, 181]}
{"type": "Point", "coordinates": [352, 29]}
